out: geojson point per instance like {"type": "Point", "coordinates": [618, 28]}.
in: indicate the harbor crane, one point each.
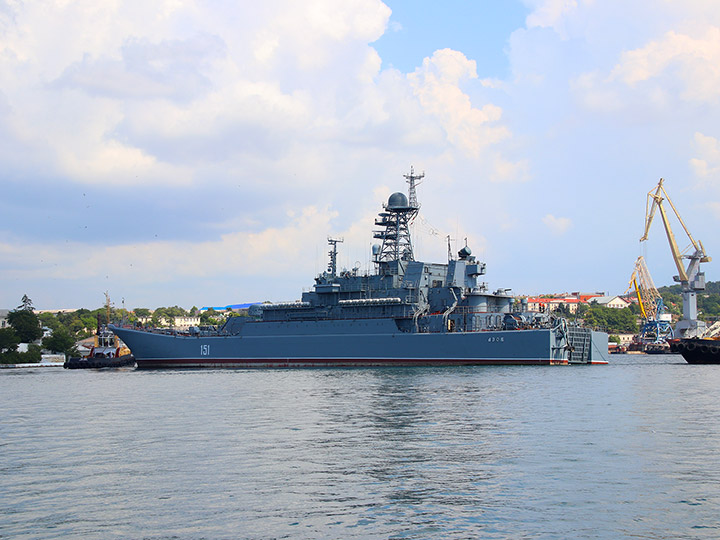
{"type": "Point", "coordinates": [656, 326]}
{"type": "Point", "coordinates": [691, 278]}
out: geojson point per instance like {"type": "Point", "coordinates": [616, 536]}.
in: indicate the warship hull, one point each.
{"type": "Point", "coordinates": [508, 347]}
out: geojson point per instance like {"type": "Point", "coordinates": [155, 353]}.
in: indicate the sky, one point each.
{"type": "Point", "coordinates": [200, 153]}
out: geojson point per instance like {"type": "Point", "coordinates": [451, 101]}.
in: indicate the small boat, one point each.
{"type": "Point", "coordinates": [697, 350]}
{"type": "Point", "coordinates": [107, 352]}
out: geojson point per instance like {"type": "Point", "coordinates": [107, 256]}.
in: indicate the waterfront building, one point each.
{"type": "Point", "coordinates": [615, 302]}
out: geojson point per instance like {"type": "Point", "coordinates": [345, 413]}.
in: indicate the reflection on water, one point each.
{"type": "Point", "coordinates": [627, 450]}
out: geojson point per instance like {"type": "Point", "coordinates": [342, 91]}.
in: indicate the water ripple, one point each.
{"type": "Point", "coordinates": [627, 450]}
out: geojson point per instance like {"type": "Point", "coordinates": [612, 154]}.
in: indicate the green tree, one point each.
{"type": "Point", "coordinates": [87, 321]}
{"type": "Point", "coordinates": [61, 341]}
{"type": "Point", "coordinates": [26, 324]}
{"type": "Point", "coordinates": [159, 317]}
{"type": "Point", "coordinates": [9, 340]}
{"type": "Point", "coordinates": [11, 355]}
{"type": "Point", "coordinates": [617, 321]}
{"type": "Point", "coordinates": [175, 311]}
{"type": "Point", "coordinates": [49, 320]}
{"type": "Point", "coordinates": [32, 356]}
{"type": "Point", "coordinates": [26, 304]}
{"type": "Point", "coordinates": [209, 316]}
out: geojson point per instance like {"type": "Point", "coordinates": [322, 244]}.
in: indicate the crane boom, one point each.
{"type": "Point", "coordinates": [656, 326]}
{"type": "Point", "coordinates": [639, 297]}
{"type": "Point", "coordinates": [650, 207]}
{"type": "Point", "coordinates": [649, 299]}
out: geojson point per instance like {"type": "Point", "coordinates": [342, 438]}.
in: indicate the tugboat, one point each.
{"type": "Point", "coordinates": [406, 312]}
{"type": "Point", "coordinates": [107, 350]}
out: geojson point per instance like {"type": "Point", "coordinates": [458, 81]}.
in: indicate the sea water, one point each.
{"type": "Point", "coordinates": [626, 450]}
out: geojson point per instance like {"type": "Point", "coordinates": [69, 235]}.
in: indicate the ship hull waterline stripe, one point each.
{"type": "Point", "coordinates": [333, 362]}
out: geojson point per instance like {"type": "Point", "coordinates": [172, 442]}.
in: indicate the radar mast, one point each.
{"type": "Point", "coordinates": [399, 212]}
{"type": "Point", "coordinates": [332, 264]}
{"type": "Point", "coordinates": [413, 180]}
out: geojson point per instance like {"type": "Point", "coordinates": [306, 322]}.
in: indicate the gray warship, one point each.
{"type": "Point", "coordinates": [407, 312]}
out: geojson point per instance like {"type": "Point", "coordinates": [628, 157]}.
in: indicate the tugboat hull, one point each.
{"type": "Point", "coordinates": [127, 360]}
{"type": "Point", "coordinates": [697, 350]}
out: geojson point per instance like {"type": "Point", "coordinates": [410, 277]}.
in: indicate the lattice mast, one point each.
{"type": "Point", "coordinates": [398, 214]}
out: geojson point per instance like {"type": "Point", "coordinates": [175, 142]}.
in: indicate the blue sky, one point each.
{"type": "Point", "coordinates": [200, 153]}
{"type": "Point", "coordinates": [480, 28]}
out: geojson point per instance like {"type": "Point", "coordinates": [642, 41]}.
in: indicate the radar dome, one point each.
{"type": "Point", "coordinates": [397, 200]}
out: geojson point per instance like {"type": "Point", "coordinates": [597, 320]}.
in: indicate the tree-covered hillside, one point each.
{"type": "Point", "coordinates": [708, 301]}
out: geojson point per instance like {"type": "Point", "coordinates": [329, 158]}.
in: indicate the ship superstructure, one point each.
{"type": "Point", "coordinates": [405, 312]}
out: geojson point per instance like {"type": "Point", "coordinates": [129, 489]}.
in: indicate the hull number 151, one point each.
{"type": "Point", "coordinates": [204, 350]}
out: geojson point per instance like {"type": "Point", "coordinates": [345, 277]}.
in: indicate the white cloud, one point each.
{"type": "Point", "coordinates": [551, 14]}
{"type": "Point", "coordinates": [664, 74]}
{"type": "Point", "coordinates": [228, 118]}
{"type": "Point", "coordinates": [241, 252]}
{"type": "Point", "coordinates": [714, 208]}
{"type": "Point", "coordinates": [437, 85]}
{"type": "Point", "coordinates": [690, 62]}
{"type": "Point", "coordinates": [707, 165]}
{"type": "Point", "coordinates": [188, 91]}
{"type": "Point", "coordinates": [504, 170]}
{"type": "Point", "coordinates": [119, 92]}
{"type": "Point", "coordinates": [170, 69]}
{"type": "Point", "coordinates": [557, 225]}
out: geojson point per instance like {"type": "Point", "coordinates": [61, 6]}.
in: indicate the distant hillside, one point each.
{"type": "Point", "coordinates": [711, 287]}
{"type": "Point", "coordinates": [708, 301]}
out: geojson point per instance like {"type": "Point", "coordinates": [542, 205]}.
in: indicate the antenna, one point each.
{"type": "Point", "coordinates": [107, 306]}
{"type": "Point", "coordinates": [332, 265]}
{"type": "Point", "coordinates": [413, 181]}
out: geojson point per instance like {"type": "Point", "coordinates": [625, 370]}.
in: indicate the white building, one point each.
{"type": "Point", "coordinates": [178, 323]}
{"type": "Point", "coordinates": [614, 302]}
{"type": "Point", "coordinates": [184, 323]}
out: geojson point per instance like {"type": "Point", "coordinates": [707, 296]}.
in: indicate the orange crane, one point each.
{"type": "Point", "coordinates": [656, 326]}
